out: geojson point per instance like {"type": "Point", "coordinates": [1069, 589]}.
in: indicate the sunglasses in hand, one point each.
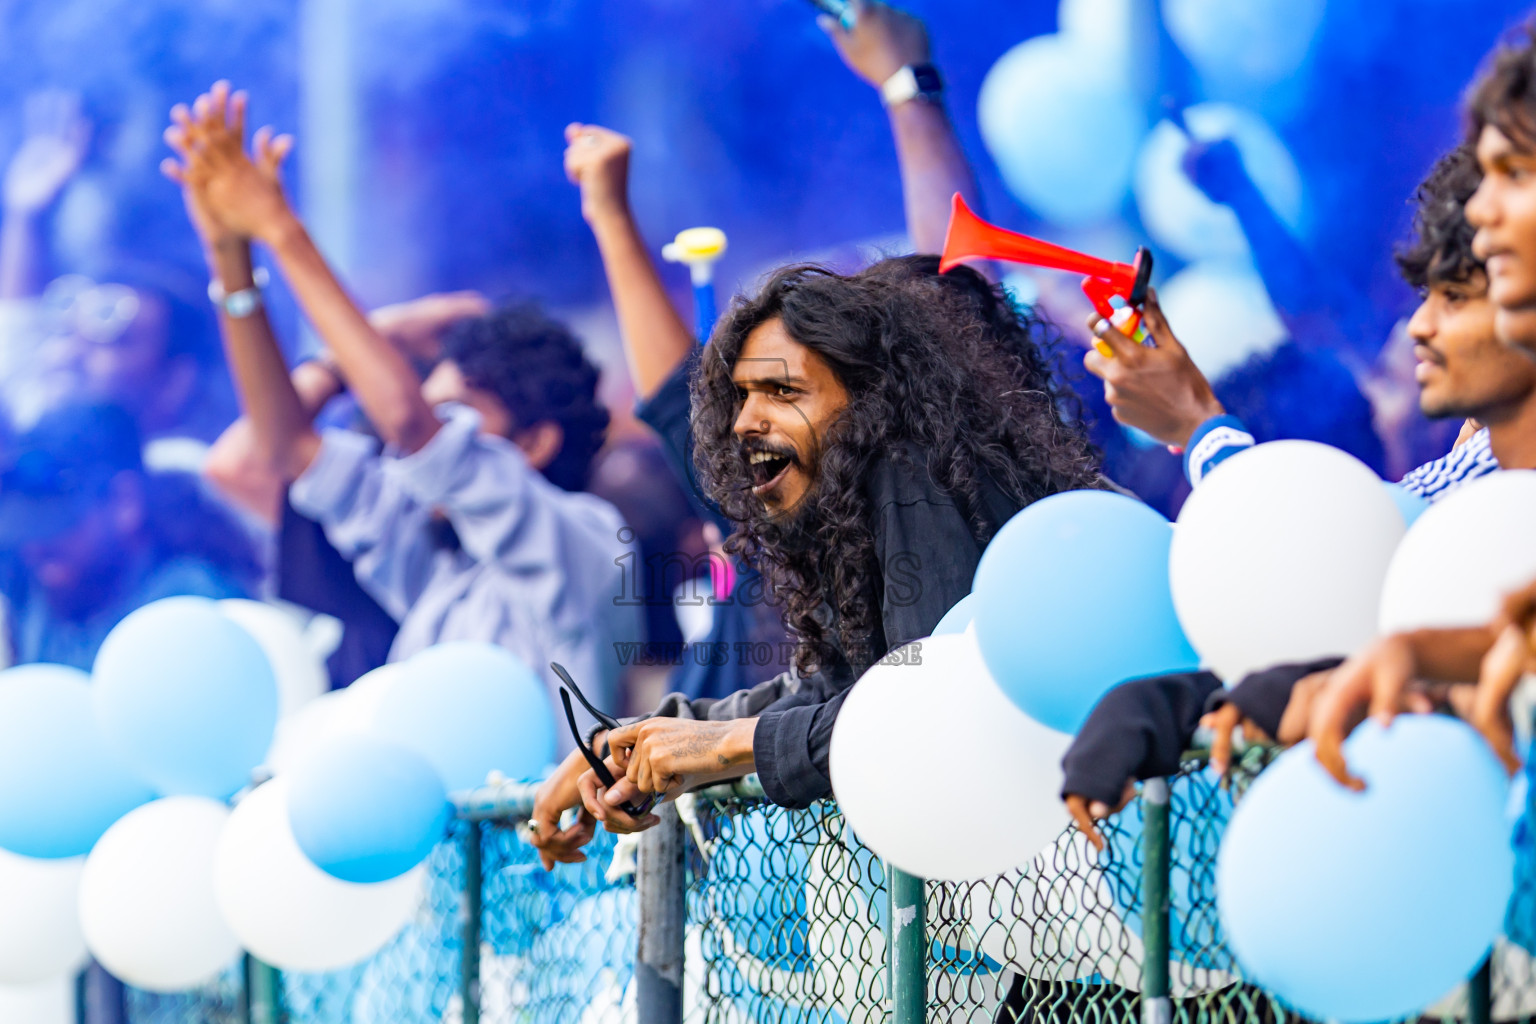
{"type": "Point", "coordinates": [599, 768]}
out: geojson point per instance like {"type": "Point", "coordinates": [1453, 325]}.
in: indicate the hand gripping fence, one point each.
{"type": "Point", "coordinates": [733, 911]}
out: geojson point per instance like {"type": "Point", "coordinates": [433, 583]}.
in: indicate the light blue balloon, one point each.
{"type": "Point", "coordinates": [1072, 598]}
{"type": "Point", "coordinates": [958, 617]}
{"type": "Point", "coordinates": [470, 709]}
{"type": "Point", "coordinates": [366, 809]}
{"type": "Point", "coordinates": [60, 787]}
{"type": "Point", "coordinates": [186, 697]}
{"type": "Point", "coordinates": [1369, 906]}
{"type": "Point", "coordinates": [1409, 504]}
{"type": "Point", "coordinates": [1070, 156]}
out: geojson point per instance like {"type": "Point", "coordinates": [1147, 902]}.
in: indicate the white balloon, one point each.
{"type": "Point", "coordinates": [46, 1002]}
{"type": "Point", "coordinates": [342, 712]}
{"type": "Point", "coordinates": [363, 697]}
{"type": "Point", "coordinates": [1222, 315]}
{"type": "Point", "coordinates": [1179, 216]}
{"type": "Point", "coordinates": [288, 912]}
{"type": "Point", "coordinates": [1463, 555]}
{"type": "Point", "coordinates": [39, 919]}
{"type": "Point", "coordinates": [301, 676]}
{"type": "Point", "coordinates": [1279, 556]}
{"type": "Point", "coordinates": [960, 747]}
{"type": "Point", "coordinates": [147, 901]}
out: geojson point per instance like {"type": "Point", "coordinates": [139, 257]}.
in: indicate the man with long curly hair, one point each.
{"type": "Point", "coordinates": [868, 434]}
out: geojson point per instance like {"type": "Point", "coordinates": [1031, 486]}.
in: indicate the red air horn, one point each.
{"type": "Point", "coordinates": [971, 238]}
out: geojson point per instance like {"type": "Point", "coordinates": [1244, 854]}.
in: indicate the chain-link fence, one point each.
{"type": "Point", "coordinates": [785, 917]}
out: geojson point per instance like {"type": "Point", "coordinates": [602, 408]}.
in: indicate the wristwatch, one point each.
{"type": "Point", "coordinates": [238, 305]}
{"type": "Point", "coordinates": [914, 81]}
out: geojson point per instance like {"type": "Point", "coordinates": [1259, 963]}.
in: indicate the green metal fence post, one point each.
{"type": "Point", "coordinates": [1480, 994]}
{"type": "Point", "coordinates": [469, 989]}
{"type": "Point", "coordinates": [263, 1000]}
{"type": "Point", "coordinates": [1156, 1007]}
{"type": "Point", "coordinates": [907, 945]}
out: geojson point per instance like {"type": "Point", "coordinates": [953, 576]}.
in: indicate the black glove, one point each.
{"type": "Point", "coordinates": [1138, 730]}
{"type": "Point", "coordinates": [1262, 696]}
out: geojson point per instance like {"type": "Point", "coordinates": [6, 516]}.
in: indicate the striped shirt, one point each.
{"type": "Point", "coordinates": [1467, 461]}
{"type": "Point", "coordinates": [1221, 437]}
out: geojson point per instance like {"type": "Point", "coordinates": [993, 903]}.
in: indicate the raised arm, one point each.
{"type": "Point", "coordinates": [247, 196]}
{"type": "Point", "coordinates": [204, 138]}
{"type": "Point", "coordinates": [50, 155]}
{"type": "Point", "coordinates": [1318, 306]}
{"type": "Point", "coordinates": [237, 465]}
{"type": "Point", "coordinates": [415, 328]}
{"type": "Point", "coordinates": [656, 341]}
{"type": "Point", "coordinates": [884, 40]}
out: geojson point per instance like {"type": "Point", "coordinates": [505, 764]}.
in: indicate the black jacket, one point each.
{"type": "Point", "coordinates": [927, 552]}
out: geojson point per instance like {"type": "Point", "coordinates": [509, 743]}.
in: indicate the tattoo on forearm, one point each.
{"type": "Point", "coordinates": [702, 741]}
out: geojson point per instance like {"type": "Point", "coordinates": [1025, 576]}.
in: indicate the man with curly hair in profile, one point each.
{"type": "Point", "coordinates": [470, 523]}
{"type": "Point", "coordinates": [868, 434]}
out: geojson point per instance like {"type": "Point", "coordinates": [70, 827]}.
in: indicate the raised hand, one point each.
{"type": "Point", "coordinates": [229, 191]}
{"type": "Point", "coordinates": [1155, 388]}
{"type": "Point", "coordinates": [883, 40]}
{"type": "Point", "coordinates": [57, 137]}
{"type": "Point", "coordinates": [597, 159]}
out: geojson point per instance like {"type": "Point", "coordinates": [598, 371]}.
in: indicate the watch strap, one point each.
{"type": "Point", "coordinates": [241, 303]}
{"type": "Point", "coordinates": [912, 81]}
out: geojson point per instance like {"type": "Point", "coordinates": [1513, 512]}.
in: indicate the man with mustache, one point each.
{"type": "Point", "coordinates": [1388, 677]}
{"type": "Point", "coordinates": [1140, 729]}
{"type": "Point", "coordinates": [868, 434]}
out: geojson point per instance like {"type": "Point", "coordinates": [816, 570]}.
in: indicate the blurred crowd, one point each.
{"type": "Point", "coordinates": [88, 527]}
{"type": "Point", "coordinates": [819, 472]}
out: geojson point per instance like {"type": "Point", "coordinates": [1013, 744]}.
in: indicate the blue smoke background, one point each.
{"type": "Point", "coordinates": [742, 113]}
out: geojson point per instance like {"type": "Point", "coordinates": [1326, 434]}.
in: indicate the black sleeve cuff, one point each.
{"type": "Point", "coordinates": [1138, 730]}
{"type": "Point", "coordinates": [781, 749]}
{"type": "Point", "coordinates": [1263, 696]}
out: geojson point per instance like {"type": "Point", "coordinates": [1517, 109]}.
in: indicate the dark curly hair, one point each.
{"type": "Point", "coordinates": [537, 368]}
{"type": "Point", "coordinates": [1441, 252]}
{"type": "Point", "coordinates": [941, 362]}
{"type": "Point", "coordinates": [1504, 95]}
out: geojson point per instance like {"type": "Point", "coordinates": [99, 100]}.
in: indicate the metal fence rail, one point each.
{"type": "Point", "coordinates": [745, 912]}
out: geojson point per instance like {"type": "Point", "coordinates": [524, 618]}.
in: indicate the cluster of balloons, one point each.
{"type": "Point", "coordinates": [1064, 117]}
{"type": "Point", "coordinates": [1320, 888]}
{"type": "Point", "coordinates": [1286, 553]}
{"type": "Point", "coordinates": [1071, 597]}
{"type": "Point", "coordinates": [117, 836]}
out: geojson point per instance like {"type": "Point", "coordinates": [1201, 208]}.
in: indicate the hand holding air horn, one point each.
{"type": "Point", "coordinates": [971, 238]}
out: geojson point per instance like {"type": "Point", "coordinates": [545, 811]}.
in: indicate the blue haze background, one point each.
{"type": "Point", "coordinates": [742, 114]}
